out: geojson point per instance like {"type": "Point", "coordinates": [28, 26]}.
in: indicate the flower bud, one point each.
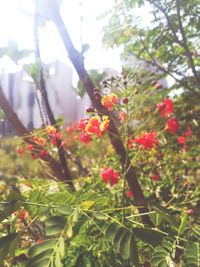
{"type": "Point", "coordinates": [89, 109]}
{"type": "Point", "coordinates": [125, 100]}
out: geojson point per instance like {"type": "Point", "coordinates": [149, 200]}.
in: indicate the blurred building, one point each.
{"type": "Point", "coordinates": [25, 98]}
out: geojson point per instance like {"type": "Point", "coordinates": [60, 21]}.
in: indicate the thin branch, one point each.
{"type": "Point", "coordinates": [185, 45]}
{"type": "Point", "coordinates": [50, 114]}
{"type": "Point", "coordinates": [183, 42]}
{"type": "Point", "coordinates": [153, 62]}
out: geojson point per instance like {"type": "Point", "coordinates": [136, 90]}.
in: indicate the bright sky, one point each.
{"type": "Point", "coordinates": [16, 25]}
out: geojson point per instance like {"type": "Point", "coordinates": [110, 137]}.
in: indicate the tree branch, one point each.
{"type": "Point", "coordinates": [185, 45]}
{"type": "Point", "coordinates": [78, 62]}
{"type": "Point", "coordinates": [25, 134]}
{"type": "Point", "coordinates": [50, 114]}
{"type": "Point", "coordinates": [153, 62]}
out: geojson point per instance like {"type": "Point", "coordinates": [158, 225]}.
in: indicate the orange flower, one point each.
{"type": "Point", "coordinates": [94, 125]}
{"type": "Point", "coordinates": [40, 141]}
{"type": "Point", "coordinates": [51, 130]}
{"type": "Point", "coordinates": [109, 101]}
{"type": "Point", "coordinates": [104, 124]}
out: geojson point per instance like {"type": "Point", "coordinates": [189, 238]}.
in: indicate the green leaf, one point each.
{"type": "Point", "coordinates": [148, 235]}
{"type": "Point", "coordinates": [13, 206]}
{"type": "Point", "coordinates": [34, 195]}
{"type": "Point", "coordinates": [161, 255]}
{"type": "Point", "coordinates": [69, 230]}
{"type": "Point", "coordinates": [62, 247]}
{"type": "Point", "coordinates": [100, 215]}
{"type": "Point", "coordinates": [102, 201]}
{"type": "Point", "coordinates": [46, 254]}
{"type": "Point", "coordinates": [118, 236]}
{"type": "Point", "coordinates": [167, 216]}
{"type": "Point", "coordinates": [56, 220]}
{"type": "Point", "coordinates": [87, 204]}
{"type": "Point", "coordinates": [58, 259]}
{"type": "Point", "coordinates": [184, 221]}
{"type": "Point", "coordinates": [8, 245]}
{"type": "Point", "coordinates": [192, 254]}
{"type": "Point", "coordinates": [54, 230]}
{"type": "Point", "coordinates": [65, 210]}
{"type": "Point", "coordinates": [111, 231]}
{"type": "Point", "coordinates": [134, 256]}
{"type": "Point", "coordinates": [124, 246]}
{"type": "Point", "coordinates": [75, 215]}
{"type": "Point", "coordinates": [39, 263]}
{"type": "Point", "coordinates": [43, 246]}
{"type": "Point", "coordinates": [196, 232]}
{"type": "Point", "coordinates": [55, 225]}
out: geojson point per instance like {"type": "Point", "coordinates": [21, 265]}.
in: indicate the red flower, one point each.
{"type": "Point", "coordinates": [22, 215]}
{"type": "Point", "coordinates": [54, 140]}
{"type": "Point", "coordinates": [58, 135]}
{"type": "Point", "coordinates": [188, 132]}
{"type": "Point", "coordinates": [34, 156]}
{"type": "Point", "coordinates": [156, 177]}
{"type": "Point", "coordinates": [85, 137]}
{"type": "Point", "coordinates": [43, 153]}
{"type": "Point", "coordinates": [82, 124]}
{"type": "Point", "coordinates": [182, 140]}
{"type": "Point", "coordinates": [20, 151]}
{"type": "Point", "coordinates": [129, 194]}
{"type": "Point", "coordinates": [147, 140]}
{"type": "Point", "coordinates": [165, 108]}
{"type": "Point", "coordinates": [110, 175]}
{"type": "Point", "coordinates": [30, 147]}
{"type": "Point", "coordinates": [172, 125]}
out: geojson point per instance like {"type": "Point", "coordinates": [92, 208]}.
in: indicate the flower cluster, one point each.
{"type": "Point", "coordinates": [147, 140]}
{"type": "Point", "coordinates": [51, 135]}
{"type": "Point", "coordinates": [93, 125]}
{"type": "Point", "coordinates": [110, 175]}
{"type": "Point", "coordinates": [109, 101]}
{"type": "Point", "coordinates": [166, 108]}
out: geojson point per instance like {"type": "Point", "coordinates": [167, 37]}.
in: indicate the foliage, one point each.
{"type": "Point", "coordinates": [44, 222]}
